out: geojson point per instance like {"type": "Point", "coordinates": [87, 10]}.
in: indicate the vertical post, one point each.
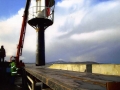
{"type": "Point", "coordinates": [33, 85]}
{"type": "Point", "coordinates": [113, 86]}
{"type": "Point", "coordinates": [40, 51]}
{"type": "Point", "coordinates": [36, 6]}
{"type": "Point", "coordinates": [24, 80]}
{"type": "Point", "coordinates": [89, 68]}
{"type": "Point", "coordinates": [45, 87]}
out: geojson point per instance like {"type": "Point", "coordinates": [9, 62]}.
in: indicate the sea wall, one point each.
{"type": "Point", "coordinates": [70, 67]}
{"type": "Point", "coordinates": [106, 69]}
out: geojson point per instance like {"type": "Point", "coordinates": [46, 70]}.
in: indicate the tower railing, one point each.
{"type": "Point", "coordinates": [33, 13]}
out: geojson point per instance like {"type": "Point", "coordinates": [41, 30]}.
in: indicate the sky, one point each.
{"type": "Point", "coordinates": [83, 30]}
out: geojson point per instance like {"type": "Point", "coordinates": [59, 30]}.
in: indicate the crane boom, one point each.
{"type": "Point", "coordinates": [23, 30]}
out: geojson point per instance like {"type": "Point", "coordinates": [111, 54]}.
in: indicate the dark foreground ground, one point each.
{"type": "Point", "coordinates": [5, 82]}
{"type": "Point", "coordinates": [5, 78]}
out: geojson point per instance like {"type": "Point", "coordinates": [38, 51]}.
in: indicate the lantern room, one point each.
{"type": "Point", "coordinates": [42, 13]}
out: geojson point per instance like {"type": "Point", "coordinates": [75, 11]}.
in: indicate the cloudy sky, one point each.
{"type": "Point", "coordinates": [83, 30]}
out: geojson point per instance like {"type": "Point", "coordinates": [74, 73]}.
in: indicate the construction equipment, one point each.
{"type": "Point", "coordinates": [23, 30]}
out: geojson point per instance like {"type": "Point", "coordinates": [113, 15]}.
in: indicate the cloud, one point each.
{"type": "Point", "coordinates": [107, 35]}
{"type": "Point", "coordinates": [9, 33]}
{"type": "Point", "coordinates": [68, 4]}
{"type": "Point", "coordinates": [102, 18]}
{"type": "Point", "coordinates": [93, 38]}
{"type": "Point", "coordinates": [82, 31]}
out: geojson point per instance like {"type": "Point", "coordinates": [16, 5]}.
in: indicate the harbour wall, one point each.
{"type": "Point", "coordinates": [106, 69]}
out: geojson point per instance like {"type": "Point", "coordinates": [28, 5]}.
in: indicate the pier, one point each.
{"type": "Point", "coordinates": [56, 79]}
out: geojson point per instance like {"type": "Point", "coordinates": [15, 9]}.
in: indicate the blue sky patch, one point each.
{"type": "Point", "coordinates": [94, 2]}
{"type": "Point", "coordinates": [10, 7]}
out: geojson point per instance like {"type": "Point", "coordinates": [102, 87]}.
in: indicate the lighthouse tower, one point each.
{"type": "Point", "coordinates": [43, 17]}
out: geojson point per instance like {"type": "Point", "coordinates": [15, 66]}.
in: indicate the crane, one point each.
{"type": "Point", "coordinates": [23, 30]}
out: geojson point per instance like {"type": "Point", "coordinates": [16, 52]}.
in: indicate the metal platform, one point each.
{"type": "Point", "coordinates": [41, 21]}
{"type": "Point", "coordinates": [70, 80]}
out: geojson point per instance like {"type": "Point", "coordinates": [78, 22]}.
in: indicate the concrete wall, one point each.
{"type": "Point", "coordinates": [71, 67]}
{"type": "Point", "coordinates": [107, 69]}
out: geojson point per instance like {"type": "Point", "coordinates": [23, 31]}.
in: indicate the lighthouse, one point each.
{"type": "Point", "coordinates": [43, 17]}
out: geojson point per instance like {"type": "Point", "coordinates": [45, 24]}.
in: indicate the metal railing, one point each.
{"type": "Point", "coordinates": [33, 12]}
{"type": "Point", "coordinates": [32, 87]}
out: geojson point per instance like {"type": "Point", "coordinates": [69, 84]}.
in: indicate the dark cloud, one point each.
{"type": "Point", "coordinates": [110, 55]}
{"type": "Point", "coordinates": [105, 52]}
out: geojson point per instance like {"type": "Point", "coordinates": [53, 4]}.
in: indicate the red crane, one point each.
{"type": "Point", "coordinates": [23, 30]}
